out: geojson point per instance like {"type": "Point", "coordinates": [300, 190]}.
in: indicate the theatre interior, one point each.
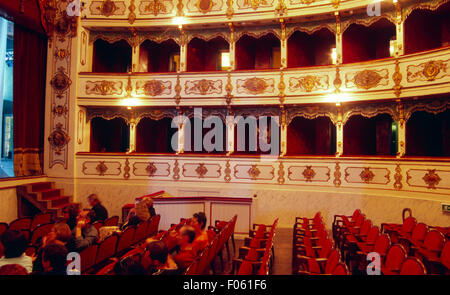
{"type": "Point", "coordinates": [213, 137]}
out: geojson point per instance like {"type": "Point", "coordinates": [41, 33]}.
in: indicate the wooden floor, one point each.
{"type": "Point", "coordinates": [283, 254]}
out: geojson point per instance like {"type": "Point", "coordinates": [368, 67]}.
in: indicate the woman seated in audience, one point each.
{"type": "Point", "coordinates": [15, 243]}
{"type": "Point", "coordinates": [139, 214]}
{"type": "Point", "coordinates": [54, 259]}
{"type": "Point", "coordinates": [161, 263]}
{"type": "Point", "coordinates": [70, 214]}
{"type": "Point", "coordinates": [198, 222]}
{"type": "Point", "coordinates": [184, 253]}
{"type": "Point", "coordinates": [84, 234]}
{"type": "Point", "coordinates": [101, 214]}
{"type": "Point", "coordinates": [151, 209]}
{"type": "Point", "coordinates": [60, 234]}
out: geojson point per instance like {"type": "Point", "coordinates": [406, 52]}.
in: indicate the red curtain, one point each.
{"type": "Point", "coordinates": [30, 62]}
{"type": "Point", "coordinates": [154, 136]}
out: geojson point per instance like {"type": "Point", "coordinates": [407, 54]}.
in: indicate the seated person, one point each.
{"type": "Point", "coordinates": [185, 255]}
{"type": "Point", "coordinates": [161, 262]}
{"type": "Point", "coordinates": [15, 243]}
{"type": "Point", "coordinates": [54, 259]}
{"type": "Point", "coordinates": [139, 214]}
{"type": "Point", "coordinates": [70, 214]}
{"type": "Point", "coordinates": [84, 234]}
{"type": "Point", "coordinates": [151, 209]}
{"type": "Point", "coordinates": [101, 214]}
{"type": "Point", "coordinates": [198, 222]}
{"type": "Point", "coordinates": [60, 234]}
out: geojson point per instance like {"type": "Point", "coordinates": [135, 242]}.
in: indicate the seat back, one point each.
{"type": "Point", "coordinates": [360, 220]}
{"type": "Point", "coordinates": [88, 256]}
{"type": "Point", "coordinates": [3, 227]}
{"type": "Point", "coordinates": [413, 267]}
{"type": "Point", "coordinates": [355, 215]}
{"type": "Point", "coordinates": [141, 229]}
{"type": "Point", "coordinates": [382, 244]}
{"type": "Point", "coordinates": [106, 249]}
{"type": "Point", "coordinates": [203, 261]}
{"type": "Point", "coordinates": [317, 218]}
{"type": "Point", "coordinates": [255, 243]}
{"type": "Point", "coordinates": [125, 239]}
{"type": "Point", "coordinates": [434, 240]}
{"type": "Point", "coordinates": [408, 225]}
{"type": "Point", "coordinates": [153, 227]}
{"type": "Point", "coordinates": [40, 218]}
{"type": "Point", "coordinates": [112, 221]}
{"type": "Point", "coordinates": [372, 235]}
{"type": "Point", "coordinates": [326, 248]}
{"type": "Point", "coordinates": [419, 232]}
{"type": "Point", "coordinates": [40, 232]}
{"type": "Point", "coordinates": [340, 270]}
{"type": "Point", "coordinates": [20, 224]}
{"type": "Point", "coordinates": [252, 255]}
{"type": "Point", "coordinates": [395, 257]}
{"type": "Point", "coordinates": [333, 260]}
{"type": "Point", "coordinates": [365, 227]}
{"type": "Point", "coordinates": [445, 255]}
{"type": "Point", "coordinates": [246, 268]}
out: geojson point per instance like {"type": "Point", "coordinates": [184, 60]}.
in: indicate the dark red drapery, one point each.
{"type": "Point", "coordinates": [30, 63]}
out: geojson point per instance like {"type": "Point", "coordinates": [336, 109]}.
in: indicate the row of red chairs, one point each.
{"type": "Point", "coordinates": [257, 254]}
{"type": "Point", "coordinates": [98, 255]}
{"type": "Point", "coordinates": [205, 259]}
{"type": "Point", "coordinates": [26, 224]}
{"type": "Point", "coordinates": [358, 237]}
{"type": "Point", "coordinates": [314, 252]}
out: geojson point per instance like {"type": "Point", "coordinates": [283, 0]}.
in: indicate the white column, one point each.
{"type": "Point", "coordinates": [339, 58]}
{"type": "Point", "coordinates": [400, 50]}
{"type": "Point", "coordinates": [183, 52]}
{"type": "Point", "coordinates": [339, 134]}
{"type": "Point", "coordinates": [232, 48]}
{"type": "Point", "coordinates": [230, 133]}
{"type": "Point", "coordinates": [283, 45]}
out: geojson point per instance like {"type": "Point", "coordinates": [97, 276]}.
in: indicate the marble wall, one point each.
{"type": "Point", "coordinates": [285, 202]}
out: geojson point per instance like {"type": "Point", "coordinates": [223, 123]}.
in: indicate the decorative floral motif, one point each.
{"type": "Point", "coordinates": [366, 175]}
{"type": "Point", "coordinates": [281, 173]}
{"type": "Point", "coordinates": [205, 6]}
{"type": "Point", "coordinates": [101, 168]}
{"type": "Point", "coordinates": [254, 172]}
{"type": "Point", "coordinates": [201, 170]}
{"type": "Point", "coordinates": [153, 87]}
{"type": "Point", "coordinates": [308, 173]}
{"type": "Point", "coordinates": [60, 82]}
{"type": "Point", "coordinates": [397, 77]}
{"type": "Point", "coordinates": [58, 139]}
{"type": "Point", "coordinates": [227, 176]}
{"type": "Point", "coordinates": [398, 178]}
{"type": "Point", "coordinates": [203, 87]}
{"type": "Point", "coordinates": [176, 171]}
{"type": "Point", "coordinates": [255, 85]}
{"type": "Point", "coordinates": [432, 179]}
{"type": "Point", "coordinates": [428, 71]}
{"type": "Point", "coordinates": [337, 175]}
{"type": "Point", "coordinates": [151, 169]}
{"type": "Point", "coordinates": [368, 78]}
{"type": "Point", "coordinates": [308, 83]}
{"type": "Point", "coordinates": [155, 7]}
{"type": "Point", "coordinates": [104, 87]}
{"type": "Point", "coordinates": [107, 8]}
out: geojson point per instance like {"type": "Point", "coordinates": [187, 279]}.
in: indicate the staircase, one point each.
{"type": "Point", "coordinates": [41, 197]}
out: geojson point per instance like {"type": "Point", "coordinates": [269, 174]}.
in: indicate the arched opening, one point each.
{"type": "Point", "coordinates": [370, 136]}
{"type": "Point", "coordinates": [426, 29]}
{"type": "Point", "coordinates": [428, 134]}
{"type": "Point", "coordinates": [195, 142]}
{"type": "Point", "coordinates": [258, 53]}
{"type": "Point", "coordinates": [361, 43]}
{"type": "Point", "coordinates": [314, 49]}
{"type": "Point", "coordinates": [159, 57]}
{"type": "Point", "coordinates": [311, 136]}
{"type": "Point", "coordinates": [251, 139]}
{"type": "Point", "coordinates": [206, 55]}
{"type": "Point", "coordinates": [111, 58]}
{"type": "Point", "coordinates": [154, 136]}
{"type": "Point", "coordinates": [109, 136]}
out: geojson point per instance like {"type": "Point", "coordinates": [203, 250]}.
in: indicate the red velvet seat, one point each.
{"type": "Point", "coordinates": [152, 229]}
{"type": "Point", "coordinates": [39, 232]}
{"type": "Point", "coordinates": [394, 259]}
{"type": "Point", "coordinates": [125, 240]}
{"type": "Point", "coordinates": [139, 234]}
{"type": "Point", "coordinates": [107, 270]}
{"type": "Point", "coordinates": [3, 227]}
{"type": "Point", "coordinates": [97, 224]}
{"type": "Point", "coordinates": [412, 266]}
{"type": "Point", "coordinates": [246, 268]}
{"type": "Point", "coordinates": [20, 224]}
{"type": "Point", "coordinates": [431, 247]}
{"type": "Point", "coordinates": [340, 270]}
{"type": "Point", "coordinates": [88, 257]}
{"type": "Point", "coordinates": [369, 242]}
{"type": "Point", "coordinates": [112, 221]}
{"type": "Point", "coordinates": [40, 218]}
{"type": "Point", "coordinates": [315, 268]}
{"type": "Point", "coordinates": [396, 230]}
{"type": "Point", "coordinates": [106, 249]}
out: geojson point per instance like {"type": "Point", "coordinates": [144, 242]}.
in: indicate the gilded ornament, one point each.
{"type": "Point", "coordinates": [366, 175]}
{"type": "Point", "coordinates": [432, 179]}
{"type": "Point", "coordinates": [337, 175]}
{"type": "Point", "coordinates": [58, 139]}
{"type": "Point", "coordinates": [367, 79]}
{"type": "Point", "coordinates": [255, 85]}
{"type": "Point", "coordinates": [201, 170]}
{"type": "Point", "coordinates": [254, 172]}
{"type": "Point", "coordinates": [398, 178]}
{"type": "Point", "coordinates": [126, 169]}
{"type": "Point", "coordinates": [204, 6]}
{"type": "Point", "coordinates": [107, 8]}
{"type": "Point", "coordinates": [101, 168]}
{"type": "Point", "coordinates": [227, 176]}
{"type": "Point", "coordinates": [308, 173]}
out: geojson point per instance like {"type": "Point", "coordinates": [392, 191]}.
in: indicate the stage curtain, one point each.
{"type": "Point", "coordinates": [30, 61]}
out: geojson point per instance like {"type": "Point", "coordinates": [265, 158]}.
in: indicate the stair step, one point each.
{"type": "Point", "coordinates": [38, 186]}
{"type": "Point", "coordinates": [46, 194]}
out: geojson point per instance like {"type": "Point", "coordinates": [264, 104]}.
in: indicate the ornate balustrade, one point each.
{"type": "Point", "coordinates": [431, 175]}
{"type": "Point", "coordinates": [420, 74]}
